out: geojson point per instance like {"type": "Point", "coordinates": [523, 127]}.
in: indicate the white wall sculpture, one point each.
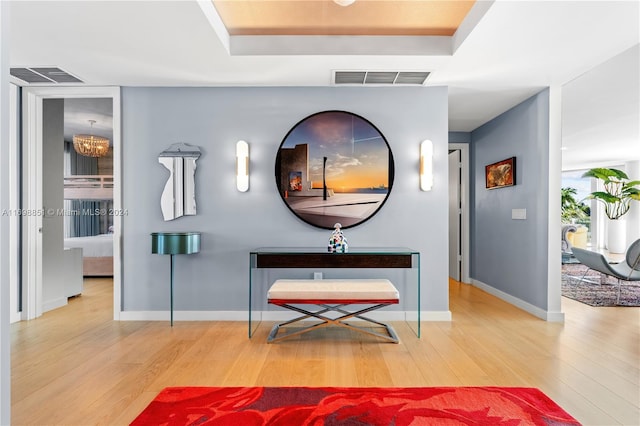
{"type": "Point", "coordinates": [179, 194]}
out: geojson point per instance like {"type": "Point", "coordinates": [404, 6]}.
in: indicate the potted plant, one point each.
{"type": "Point", "coordinates": [618, 193]}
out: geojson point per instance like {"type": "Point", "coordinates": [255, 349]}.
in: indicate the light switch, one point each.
{"type": "Point", "coordinates": [520, 214]}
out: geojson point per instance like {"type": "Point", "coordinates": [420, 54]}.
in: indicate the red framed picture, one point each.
{"type": "Point", "coordinates": [501, 174]}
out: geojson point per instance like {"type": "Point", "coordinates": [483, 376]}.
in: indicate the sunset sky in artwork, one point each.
{"type": "Point", "coordinates": [357, 154]}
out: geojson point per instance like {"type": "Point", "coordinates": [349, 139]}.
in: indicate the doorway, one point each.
{"type": "Point", "coordinates": [33, 110]}
{"type": "Point", "coordinates": [455, 216]}
{"type": "Point", "coordinates": [459, 212]}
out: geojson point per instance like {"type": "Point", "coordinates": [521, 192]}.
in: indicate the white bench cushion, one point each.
{"type": "Point", "coordinates": [329, 289]}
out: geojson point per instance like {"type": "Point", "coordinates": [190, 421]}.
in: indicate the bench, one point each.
{"type": "Point", "coordinates": [333, 295]}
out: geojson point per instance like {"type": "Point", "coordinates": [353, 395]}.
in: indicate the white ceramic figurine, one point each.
{"type": "Point", "coordinates": [338, 242]}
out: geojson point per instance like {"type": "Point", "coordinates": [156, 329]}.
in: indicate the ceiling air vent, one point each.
{"type": "Point", "coordinates": [349, 77]}
{"type": "Point", "coordinates": [389, 78]}
{"type": "Point", "coordinates": [44, 75]}
{"type": "Point", "coordinates": [411, 77]}
{"type": "Point", "coordinates": [380, 77]}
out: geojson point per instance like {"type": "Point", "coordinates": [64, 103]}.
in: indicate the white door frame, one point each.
{"type": "Point", "coordinates": [464, 197]}
{"type": "Point", "coordinates": [14, 203]}
{"type": "Point", "coordinates": [32, 98]}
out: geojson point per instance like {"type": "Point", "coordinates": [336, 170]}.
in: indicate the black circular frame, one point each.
{"type": "Point", "coordinates": [327, 149]}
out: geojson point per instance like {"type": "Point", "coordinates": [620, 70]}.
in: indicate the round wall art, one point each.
{"type": "Point", "coordinates": [334, 166]}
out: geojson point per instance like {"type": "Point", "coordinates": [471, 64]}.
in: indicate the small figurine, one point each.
{"type": "Point", "coordinates": [338, 242]}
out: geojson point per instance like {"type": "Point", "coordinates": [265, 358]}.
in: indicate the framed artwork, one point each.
{"type": "Point", "coordinates": [501, 174]}
{"type": "Point", "coordinates": [334, 167]}
{"type": "Point", "coordinates": [295, 181]}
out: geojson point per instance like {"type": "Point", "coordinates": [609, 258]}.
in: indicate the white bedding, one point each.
{"type": "Point", "coordinates": [95, 246]}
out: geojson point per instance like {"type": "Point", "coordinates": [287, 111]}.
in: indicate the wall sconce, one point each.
{"type": "Point", "coordinates": [426, 165]}
{"type": "Point", "coordinates": [242, 166]}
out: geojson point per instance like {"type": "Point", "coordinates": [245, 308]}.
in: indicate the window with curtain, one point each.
{"type": "Point", "coordinates": [85, 224]}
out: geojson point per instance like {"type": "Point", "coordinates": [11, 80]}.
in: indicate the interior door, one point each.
{"type": "Point", "coordinates": [53, 264]}
{"type": "Point", "coordinates": [455, 215]}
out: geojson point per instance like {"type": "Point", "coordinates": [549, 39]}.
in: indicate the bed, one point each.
{"type": "Point", "coordinates": [97, 254]}
{"type": "Point", "coordinates": [97, 251]}
{"type": "Point", "coordinates": [88, 187]}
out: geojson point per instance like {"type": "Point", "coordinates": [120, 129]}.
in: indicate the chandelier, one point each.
{"type": "Point", "coordinates": [91, 145]}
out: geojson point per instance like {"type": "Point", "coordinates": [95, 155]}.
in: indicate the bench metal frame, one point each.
{"type": "Point", "coordinates": [332, 306]}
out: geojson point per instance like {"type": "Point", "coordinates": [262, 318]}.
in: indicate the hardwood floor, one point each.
{"type": "Point", "coordinates": [75, 366]}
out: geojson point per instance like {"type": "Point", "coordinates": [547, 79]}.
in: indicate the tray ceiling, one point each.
{"type": "Point", "coordinates": [325, 17]}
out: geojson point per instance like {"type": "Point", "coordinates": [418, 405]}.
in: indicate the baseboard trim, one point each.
{"type": "Point", "coordinates": [434, 316]}
{"type": "Point", "coordinates": [184, 316]}
{"type": "Point", "coordinates": [267, 315]}
{"type": "Point", "coordinates": [554, 316]}
{"type": "Point", "coordinates": [54, 304]}
{"type": "Point", "coordinates": [519, 303]}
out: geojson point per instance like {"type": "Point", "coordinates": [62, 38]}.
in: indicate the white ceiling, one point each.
{"type": "Point", "coordinates": [78, 112]}
{"type": "Point", "coordinates": [516, 49]}
{"type": "Point", "coordinates": [601, 114]}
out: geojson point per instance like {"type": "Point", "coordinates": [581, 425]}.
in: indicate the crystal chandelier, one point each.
{"type": "Point", "coordinates": [91, 145]}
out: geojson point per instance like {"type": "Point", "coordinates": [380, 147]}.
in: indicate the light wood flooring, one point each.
{"type": "Point", "coordinates": [75, 366]}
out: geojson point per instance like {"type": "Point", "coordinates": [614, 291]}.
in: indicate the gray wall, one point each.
{"type": "Point", "coordinates": [233, 223]}
{"type": "Point", "coordinates": [459, 137]}
{"type": "Point", "coordinates": [511, 255]}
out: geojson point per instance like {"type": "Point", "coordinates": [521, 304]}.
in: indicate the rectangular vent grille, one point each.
{"type": "Point", "coordinates": [44, 75]}
{"type": "Point", "coordinates": [342, 77]}
{"type": "Point", "coordinates": [392, 78]}
{"type": "Point", "coordinates": [380, 77]}
{"type": "Point", "coordinates": [411, 78]}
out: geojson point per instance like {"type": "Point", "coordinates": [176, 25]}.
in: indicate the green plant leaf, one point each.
{"type": "Point", "coordinates": [571, 209]}
{"type": "Point", "coordinates": [633, 193]}
{"type": "Point", "coordinates": [605, 174]}
{"type": "Point", "coordinates": [604, 196]}
{"type": "Point", "coordinates": [618, 190]}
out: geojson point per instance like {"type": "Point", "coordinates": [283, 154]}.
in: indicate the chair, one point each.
{"type": "Point", "coordinates": [629, 270]}
{"type": "Point", "coordinates": [566, 245]}
{"type": "Point", "coordinates": [567, 255]}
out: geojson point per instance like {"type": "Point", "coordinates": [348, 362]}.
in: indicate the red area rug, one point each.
{"type": "Point", "coordinates": [295, 406]}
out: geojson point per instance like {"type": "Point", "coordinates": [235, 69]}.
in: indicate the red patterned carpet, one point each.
{"type": "Point", "coordinates": [295, 406]}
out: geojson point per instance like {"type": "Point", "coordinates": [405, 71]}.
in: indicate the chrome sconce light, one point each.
{"type": "Point", "coordinates": [426, 165]}
{"type": "Point", "coordinates": [242, 166]}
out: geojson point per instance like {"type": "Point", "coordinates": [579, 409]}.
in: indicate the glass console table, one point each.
{"type": "Point", "coordinates": [266, 263]}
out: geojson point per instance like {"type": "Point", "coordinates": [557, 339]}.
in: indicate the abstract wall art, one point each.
{"type": "Point", "coordinates": [179, 194]}
{"type": "Point", "coordinates": [501, 174]}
